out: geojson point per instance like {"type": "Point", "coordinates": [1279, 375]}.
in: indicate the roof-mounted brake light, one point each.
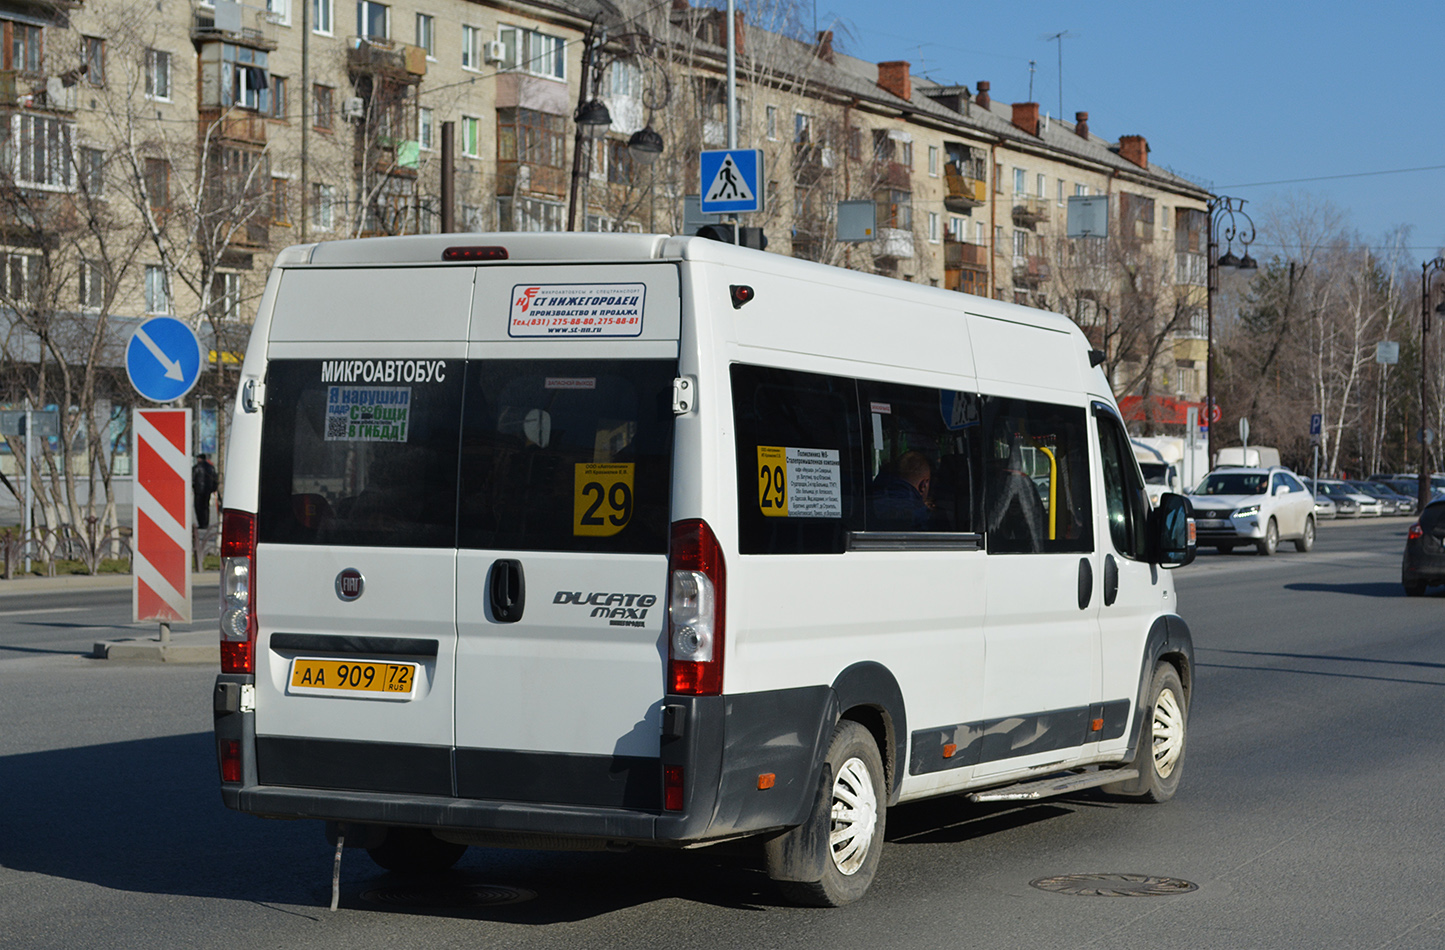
{"type": "Point", "coordinates": [492, 253]}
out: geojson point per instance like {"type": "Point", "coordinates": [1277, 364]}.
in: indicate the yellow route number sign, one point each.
{"type": "Point", "coordinates": [602, 498]}
{"type": "Point", "coordinates": [773, 481]}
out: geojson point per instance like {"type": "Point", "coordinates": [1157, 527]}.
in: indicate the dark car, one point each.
{"type": "Point", "coordinates": [1424, 562]}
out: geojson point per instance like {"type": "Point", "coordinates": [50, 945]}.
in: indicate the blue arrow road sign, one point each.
{"type": "Point", "coordinates": [731, 180]}
{"type": "Point", "coordinates": [163, 359]}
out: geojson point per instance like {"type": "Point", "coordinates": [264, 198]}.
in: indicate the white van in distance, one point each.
{"type": "Point", "coordinates": [587, 541]}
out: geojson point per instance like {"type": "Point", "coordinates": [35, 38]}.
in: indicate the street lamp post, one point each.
{"type": "Point", "coordinates": [1227, 219]}
{"type": "Point", "coordinates": [1426, 269]}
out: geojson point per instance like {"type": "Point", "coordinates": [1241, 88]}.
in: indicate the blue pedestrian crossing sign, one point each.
{"type": "Point", "coordinates": [731, 180]}
{"type": "Point", "coordinates": [163, 359]}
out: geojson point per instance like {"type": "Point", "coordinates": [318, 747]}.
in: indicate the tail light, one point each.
{"type": "Point", "coordinates": [230, 754]}
{"type": "Point", "coordinates": [238, 592]}
{"type": "Point", "coordinates": [1416, 532]}
{"type": "Point", "coordinates": [696, 594]}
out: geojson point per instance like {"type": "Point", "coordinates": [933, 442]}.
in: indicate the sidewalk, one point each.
{"type": "Point", "coordinates": [184, 646]}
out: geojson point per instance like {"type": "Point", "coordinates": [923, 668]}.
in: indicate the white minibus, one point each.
{"type": "Point", "coordinates": [570, 541]}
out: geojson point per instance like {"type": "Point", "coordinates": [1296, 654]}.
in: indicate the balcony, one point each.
{"type": "Point", "coordinates": [889, 174]}
{"type": "Point", "coordinates": [961, 255]}
{"type": "Point", "coordinates": [1032, 271]}
{"type": "Point", "coordinates": [893, 244]}
{"type": "Point", "coordinates": [233, 125]}
{"type": "Point", "coordinates": [1029, 211]}
{"type": "Point", "coordinates": [401, 62]}
{"type": "Point", "coordinates": [810, 162]}
{"type": "Point", "coordinates": [233, 23]}
{"type": "Point", "coordinates": [1190, 269]}
{"type": "Point", "coordinates": [964, 193]}
{"type": "Point", "coordinates": [521, 178]}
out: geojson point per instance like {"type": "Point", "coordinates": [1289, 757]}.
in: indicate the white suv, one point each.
{"type": "Point", "coordinates": [1259, 506]}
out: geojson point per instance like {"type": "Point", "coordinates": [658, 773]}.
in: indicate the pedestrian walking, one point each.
{"type": "Point", "coordinates": [203, 486]}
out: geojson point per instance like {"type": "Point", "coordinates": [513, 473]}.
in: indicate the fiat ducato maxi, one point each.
{"type": "Point", "coordinates": [595, 541]}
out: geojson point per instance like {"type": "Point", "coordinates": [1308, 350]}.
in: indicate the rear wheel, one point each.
{"type": "Point", "coordinates": [1306, 541]}
{"type": "Point", "coordinates": [415, 851]}
{"type": "Point", "coordinates": [1414, 588]}
{"type": "Point", "coordinates": [1159, 757]}
{"type": "Point", "coordinates": [831, 858]}
{"type": "Point", "coordinates": [1270, 542]}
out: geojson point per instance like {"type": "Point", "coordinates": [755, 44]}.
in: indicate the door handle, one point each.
{"type": "Point", "coordinates": [1086, 583]}
{"type": "Point", "coordinates": [509, 590]}
{"type": "Point", "coordinates": [1111, 580]}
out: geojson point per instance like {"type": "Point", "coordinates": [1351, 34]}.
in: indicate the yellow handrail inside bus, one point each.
{"type": "Point", "coordinates": [1053, 488]}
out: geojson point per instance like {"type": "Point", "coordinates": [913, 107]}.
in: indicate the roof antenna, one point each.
{"type": "Point", "coordinates": [1031, 81]}
{"type": "Point", "coordinates": [1059, 38]}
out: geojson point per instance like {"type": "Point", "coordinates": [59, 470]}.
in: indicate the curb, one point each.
{"type": "Point", "coordinates": [75, 582]}
{"type": "Point", "coordinates": [189, 648]}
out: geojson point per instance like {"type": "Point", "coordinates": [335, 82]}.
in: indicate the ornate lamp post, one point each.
{"type": "Point", "coordinates": [1426, 269]}
{"type": "Point", "coordinates": [1227, 219]}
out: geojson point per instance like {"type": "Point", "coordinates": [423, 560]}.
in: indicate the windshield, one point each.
{"type": "Point", "coordinates": [1155, 473]}
{"type": "Point", "coordinates": [1234, 483]}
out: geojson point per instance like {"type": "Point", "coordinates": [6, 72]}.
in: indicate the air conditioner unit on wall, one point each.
{"type": "Point", "coordinates": [495, 51]}
{"type": "Point", "coordinates": [353, 108]}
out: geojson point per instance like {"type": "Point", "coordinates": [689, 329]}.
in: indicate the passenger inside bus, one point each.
{"type": "Point", "coordinates": [899, 500]}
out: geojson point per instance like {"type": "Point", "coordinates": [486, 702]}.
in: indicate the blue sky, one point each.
{"type": "Point", "coordinates": [1229, 94]}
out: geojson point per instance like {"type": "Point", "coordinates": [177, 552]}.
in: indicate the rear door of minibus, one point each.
{"type": "Point", "coordinates": [356, 528]}
{"type": "Point", "coordinates": [565, 501]}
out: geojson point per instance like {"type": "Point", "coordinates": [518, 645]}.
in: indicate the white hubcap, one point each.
{"type": "Point", "coordinates": [855, 816]}
{"type": "Point", "coordinates": [1168, 733]}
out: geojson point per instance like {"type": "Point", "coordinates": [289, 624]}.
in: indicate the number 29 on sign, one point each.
{"type": "Point", "coordinates": [773, 481]}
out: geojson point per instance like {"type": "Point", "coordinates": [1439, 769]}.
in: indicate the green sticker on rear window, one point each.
{"type": "Point", "coordinates": [367, 413]}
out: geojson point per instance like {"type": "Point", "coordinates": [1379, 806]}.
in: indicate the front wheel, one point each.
{"type": "Point", "coordinates": [831, 858]}
{"type": "Point", "coordinates": [1159, 756]}
{"type": "Point", "coordinates": [1270, 543]}
{"type": "Point", "coordinates": [1306, 541]}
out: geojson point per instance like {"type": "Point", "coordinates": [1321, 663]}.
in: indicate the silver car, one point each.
{"type": "Point", "coordinates": [1235, 506]}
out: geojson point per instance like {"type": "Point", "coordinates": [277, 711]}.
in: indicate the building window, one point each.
{"type": "Point", "coordinates": [1081, 191]}
{"type": "Point", "coordinates": [957, 229]}
{"type": "Point", "coordinates": [21, 277]}
{"type": "Point", "coordinates": [325, 99]}
{"type": "Point", "coordinates": [529, 214]}
{"type": "Point", "coordinates": [92, 57]}
{"type": "Point", "coordinates": [158, 297]}
{"type": "Point", "coordinates": [471, 136]}
{"type": "Point", "coordinates": [533, 52]}
{"type": "Point", "coordinates": [1042, 185]}
{"type": "Point", "coordinates": [998, 178]}
{"type": "Point", "coordinates": [471, 47]}
{"type": "Point", "coordinates": [905, 153]}
{"type": "Point", "coordinates": [1021, 184]}
{"type": "Point", "coordinates": [1136, 218]}
{"type": "Point", "coordinates": [321, 17]}
{"type": "Point", "coordinates": [771, 114]}
{"type": "Point", "coordinates": [158, 184]}
{"type": "Point", "coordinates": [426, 34]}
{"type": "Point", "coordinates": [525, 135]}
{"type": "Point", "coordinates": [623, 80]}
{"type": "Point", "coordinates": [27, 54]}
{"type": "Point", "coordinates": [234, 75]}
{"type": "Point", "coordinates": [274, 98]}
{"type": "Point", "coordinates": [158, 74]}
{"type": "Point", "coordinates": [279, 11]}
{"type": "Point", "coordinates": [425, 126]}
{"type": "Point", "coordinates": [802, 128]}
{"type": "Point", "coordinates": [933, 227]}
{"type": "Point", "coordinates": [894, 209]}
{"type": "Point", "coordinates": [323, 200]}
{"type": "Point", "coordinates": [92, 285]}
{"type": "Point", "coordinates": [226, 296]}
{"type": "Point", "coordinates": [1021, 245]}
{"type": "Point", "coordinates": [92, 171]}
{"type": "Point", "coordinates": [1060, 196]}
{"type": "Point", "coordinates": [280, 202]}
{"type": "Point", "coordinates": [933, 160]}
{"type": "Point", "coordinates": [373, 20]}
{"type": "Point", "coordinates": [41, 155]}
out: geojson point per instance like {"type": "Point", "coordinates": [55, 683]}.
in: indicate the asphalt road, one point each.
{"type": "Point", "coordinates": [1308, 814]}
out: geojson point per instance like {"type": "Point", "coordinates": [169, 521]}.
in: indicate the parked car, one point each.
{"type": "Point", "coordinates": [1257, 506]}
{"type": "Point", "coordinates": [1389, 501]}
{"type": "Point", "coordinates": [1349, 503]}
{"type": "Point", "coordinates": [1324, 508]}
{"type": "Point", "coordinates": [1424, 562]}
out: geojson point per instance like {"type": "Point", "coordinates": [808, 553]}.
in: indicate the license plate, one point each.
{"type": "Point", "coordinates": [1211, 523]}
{"type": "Point", "coordinates": [369, 679]}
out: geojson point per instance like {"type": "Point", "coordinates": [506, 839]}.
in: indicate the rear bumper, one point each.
{"type": "Point", "coordinates": [722, 744]}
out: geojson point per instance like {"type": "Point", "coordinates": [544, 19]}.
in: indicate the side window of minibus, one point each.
{"type": "Point", "coordinates": [1123, 492]}
{"type": "Point", "coordinates": [921, 450]}
{"type": "Point", "coordinates": [1036, 477]}
{"type": "Point", "coordinates": [798, 461]}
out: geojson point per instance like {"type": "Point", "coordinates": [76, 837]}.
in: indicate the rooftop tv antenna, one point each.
{"type": "Point", "coordinates": [1059, 38]}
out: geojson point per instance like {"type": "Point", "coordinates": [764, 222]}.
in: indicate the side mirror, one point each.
{"type": "Point", "coordinates": [1172, 540]}
{"type": "Point", "coordinates": [1281, 489]}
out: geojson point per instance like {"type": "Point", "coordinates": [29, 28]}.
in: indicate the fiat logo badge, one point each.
{"type": "Point", "coordinates": [350, 584]}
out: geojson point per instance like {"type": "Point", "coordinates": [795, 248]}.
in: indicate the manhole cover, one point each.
{"type": "Point", "coordinates": [447, 895]}
{"type": "Point", "coordinates": [1114, 885]}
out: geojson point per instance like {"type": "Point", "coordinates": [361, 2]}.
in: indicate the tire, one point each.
{"type": "Point", "coordinates": [1162, 739]}
{"type": "Point", "coordinates": [1414, 588]}
{"type": "Point", "coordinates": [837, 849]}
{"type": "Point", "coordinates": [1270, 543]}
{"type": "Point", "coordinates": [1303, 543]}
{"type": "Point", "coordinates": [415, 851]}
